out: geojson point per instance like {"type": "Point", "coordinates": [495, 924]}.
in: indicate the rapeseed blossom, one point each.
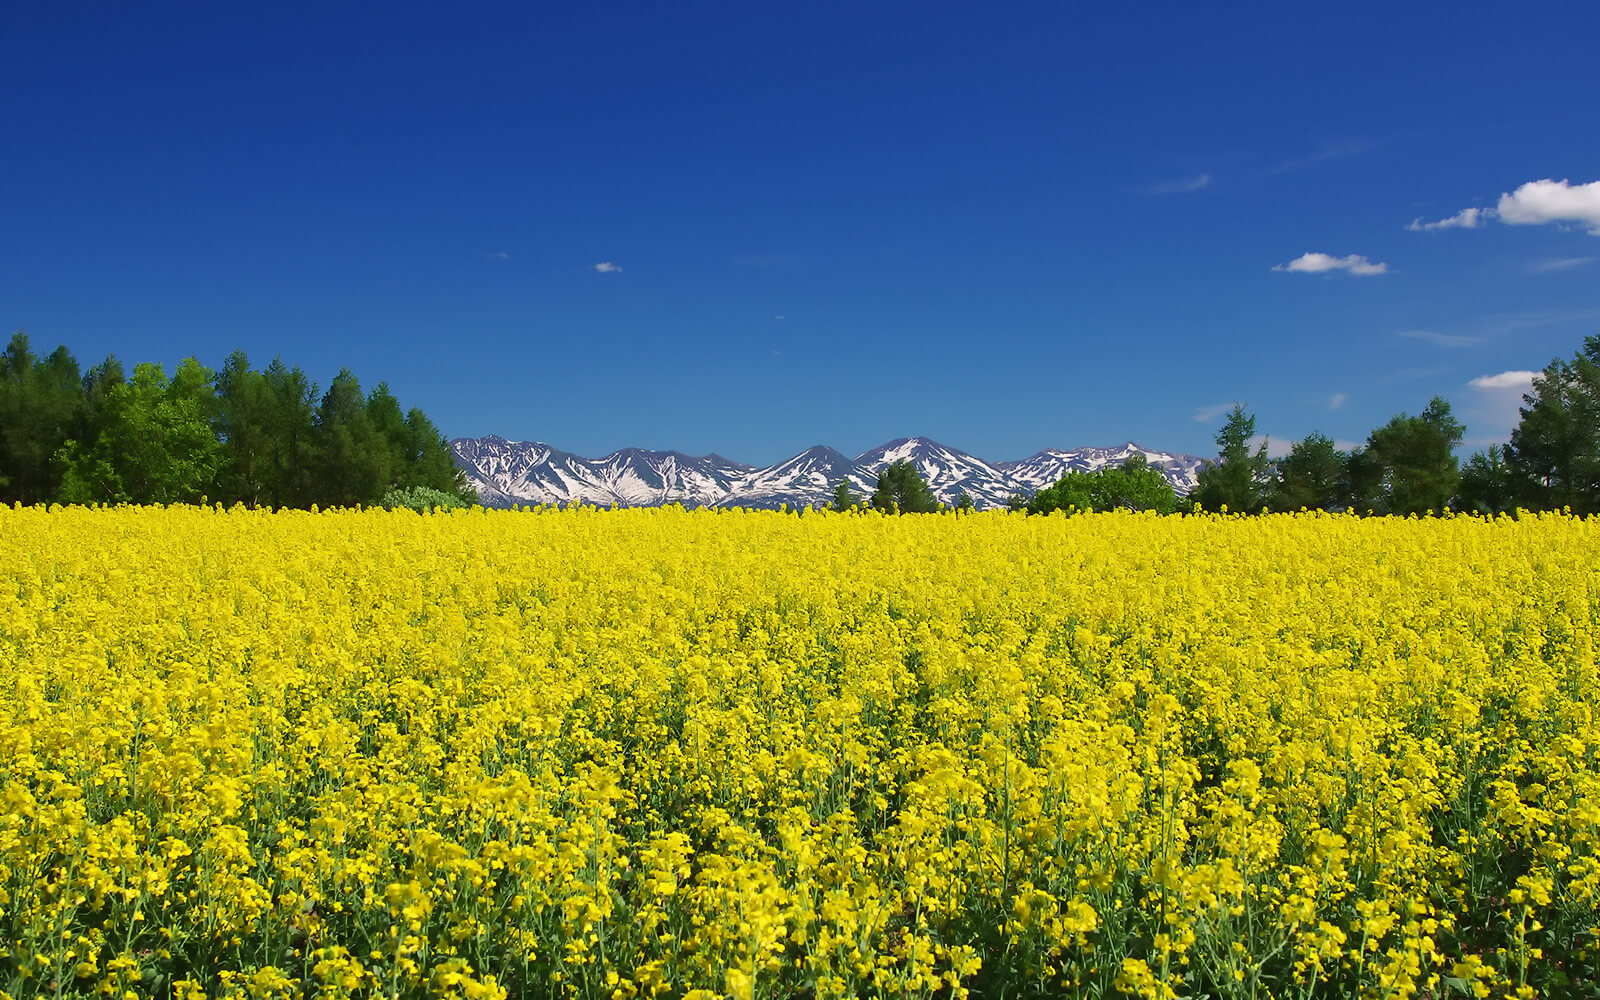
{"type": "Point", "coordinates": [664, 753]}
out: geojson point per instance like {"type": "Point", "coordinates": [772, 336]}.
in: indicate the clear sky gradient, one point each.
{"type": "Point", "coordinates": [750, 228]}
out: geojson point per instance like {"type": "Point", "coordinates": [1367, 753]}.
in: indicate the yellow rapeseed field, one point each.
{"type": "Point", "coordinates": [642, 753]}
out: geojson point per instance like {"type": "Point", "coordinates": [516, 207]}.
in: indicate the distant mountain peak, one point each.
{"type": "Point", "coordinates": [506, 473]}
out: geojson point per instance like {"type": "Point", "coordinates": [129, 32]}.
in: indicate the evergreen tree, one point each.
{"type": "Point", "coordinates": [1363, 485]}
{"type": "Point", "coordinates": [429, 462]}
{"type": "Point", "coordinates": [1240, 480]}
{"type": "Point", "coordinates": [353, 455]}
{"type": "Point", "coordinates": [389, 423]}
{"type": "Point", "coordinates": [293, 466]}
{"type": "Point", "coordinates": [964, 502]}
{"type": "Point", "coordinates": [844, 498]}
{"type": "Point", "coordinates": [901, 488]}
{"type": "Point", "coordinates": [1312, 476]}
{"type": "Point", "coordinates": [1488, 485]}
{"type": "Point", "coordinates": [1554, 454]}
{"type": "Point", "coordinates": [41, 405]}
{"type": "Point", "coordinates": [1417, 456]}
{"type": "Point", "coordinates": [245, 424]}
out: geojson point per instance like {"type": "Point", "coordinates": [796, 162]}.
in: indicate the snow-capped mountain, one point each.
{"type": "Point", "coordinates": [512, 472]}
{"type": "Point", "coordinates": [506, 473]}
{"type": "Point", "coordinates": [947, 471]}
{"type": "Point", "coordinates": [807, 479]}
{"type": "Point", "coordinates": [1045, 468]}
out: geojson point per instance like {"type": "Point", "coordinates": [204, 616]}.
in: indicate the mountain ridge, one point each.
{"type": "Point", "coordinates": [507, 473]}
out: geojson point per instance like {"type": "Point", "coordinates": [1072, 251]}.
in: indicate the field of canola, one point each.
{"type": "Point", "coordinates": [663, 753]}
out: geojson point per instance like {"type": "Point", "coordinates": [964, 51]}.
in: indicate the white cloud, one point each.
{"type": "Point", "coordinates": [1338, 400]}
{"type": "Point", "coordinates": [1206, 414]}
{"type": "Point", "coordinates": [1505, 380]}
{"type": "Point", "coordinates": [606, 267]}
{"type": "Point", "coordinates": [1320, 263]}
{"type": "Point", "coordinates": [1559, 264]}
{"type": "Point", "coordinates": [1277, 447]}
{"type": "Point", "coordinates": [1182, 185]}
{"type": "Point", "coordinates": [1467, 218]}
{"type": "Point", "coordinates": [1344, 445]}
{"type": "Point", "coordinates": [1538, 202]}
{"type": "Point", "coordinates": [1495, 405]}
{"type": "Point", "coordinates": [1441, 339]}
{"type": "Point", "coordinates": [779, 316]}
{"type": "Point", "coordinates": [500, 255]}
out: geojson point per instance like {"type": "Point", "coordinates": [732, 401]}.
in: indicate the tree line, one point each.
{"type": "Point", "coordinates": [264, 438]}
{"type": "Point", "coordinates": [1407, 466]}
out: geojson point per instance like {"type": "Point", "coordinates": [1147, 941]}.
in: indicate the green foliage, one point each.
{"type": "Point", "coordinates": [1417, 459]}
{"type": "Point", "coordinates": [1363, 483]}
{"type": "Point", "coordinates": [1135, 485]}
{"type": "Point", "coordinates": [262, 438]}
{"type": "Point", "coordinates": [153, 441]}
{"type": "Point", "coordinates": [1554, 454]}
{"type": "Point", "coordinates": [1312, 476]}
{"type": "Point", "coordinates": [423, 499]}
{"type": "Point", "coordinates": [901, 489]}
{"type": "Point", "coordinates": [1488, 485]}
{"type": "Point", "coordinates": [844, 498]}
{"type": "Point", "coordinates": [41, 405]}
{"type": "Point", "coordinates": [964, 502]}
{"type": "Point", "coordinates": [1240, 480]}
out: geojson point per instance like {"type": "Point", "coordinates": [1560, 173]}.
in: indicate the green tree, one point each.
{"type": "Point", "coordinates": [428, 460]}
{"type": "Point", "coordinates": [1240, 480]}
{"type": "Point", "coordinates": [353, 456]}
{"type": "Point", "coordinates": [293, 465]}
{"type": "Point", "coordinates": [1554, 453]}
{"type": "Point", "coordinates": [1312, 476]}
{"type": "Point", "coordinates": [1134, 485]}
{"type": "Point", "coordinates": [901, 488]}
{"type": "Point", "coordinates": [154, 442]}
{"type": "Point", "coordinates": [41, 405]}
{"type": "Point", "coordinates": [389, 422]}
{"type": "Point", "coordinates": [1488, 485]}
{"type": "Point", "coordinates": [1363, 486]}
{"type": "Point", "coordinates": [844, 498]}
{"type": "Point", "coordinates": [245, 426]}
{"type": "Point", "coordinates": [964, 502]}
{"type": "Point", "coordinates": [1074, 492]}
{"type": "Point", "coordinates": [1417, 456]}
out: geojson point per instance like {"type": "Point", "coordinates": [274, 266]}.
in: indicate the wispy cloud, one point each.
{"type": "Point", "coordinates": [1323, 153]}
{"type": "Point", "coordinates": [1441, 339]}
{"type": "Point", "coordinates": [1322, 263]}
{"type": "Point", "coordinates": [500, 255]}
{"type": "Point", "coordinates": [1337, 401]}
{"type": "Point", "coordinates": [1467, 218]}
{"type": "Point", "coordinates": [1505, 380]}
{"type": "Point", "coordinates": [1182, 185]}
{"type": "Point", "coordinates": [1206, 414]}
{"type": "Point", "coordinates": [606, 267]}
{"type": "Point", "coordinates": [1559, 264]}
{"type": "Point", "coordinates": [1538, 202]}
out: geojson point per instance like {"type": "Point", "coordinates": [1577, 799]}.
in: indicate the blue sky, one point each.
{"type": "Point", "coordinates": [752, 228]}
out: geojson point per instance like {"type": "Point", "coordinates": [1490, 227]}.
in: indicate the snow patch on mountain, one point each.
{"type": "Point", "coordinates": [506, 473]}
